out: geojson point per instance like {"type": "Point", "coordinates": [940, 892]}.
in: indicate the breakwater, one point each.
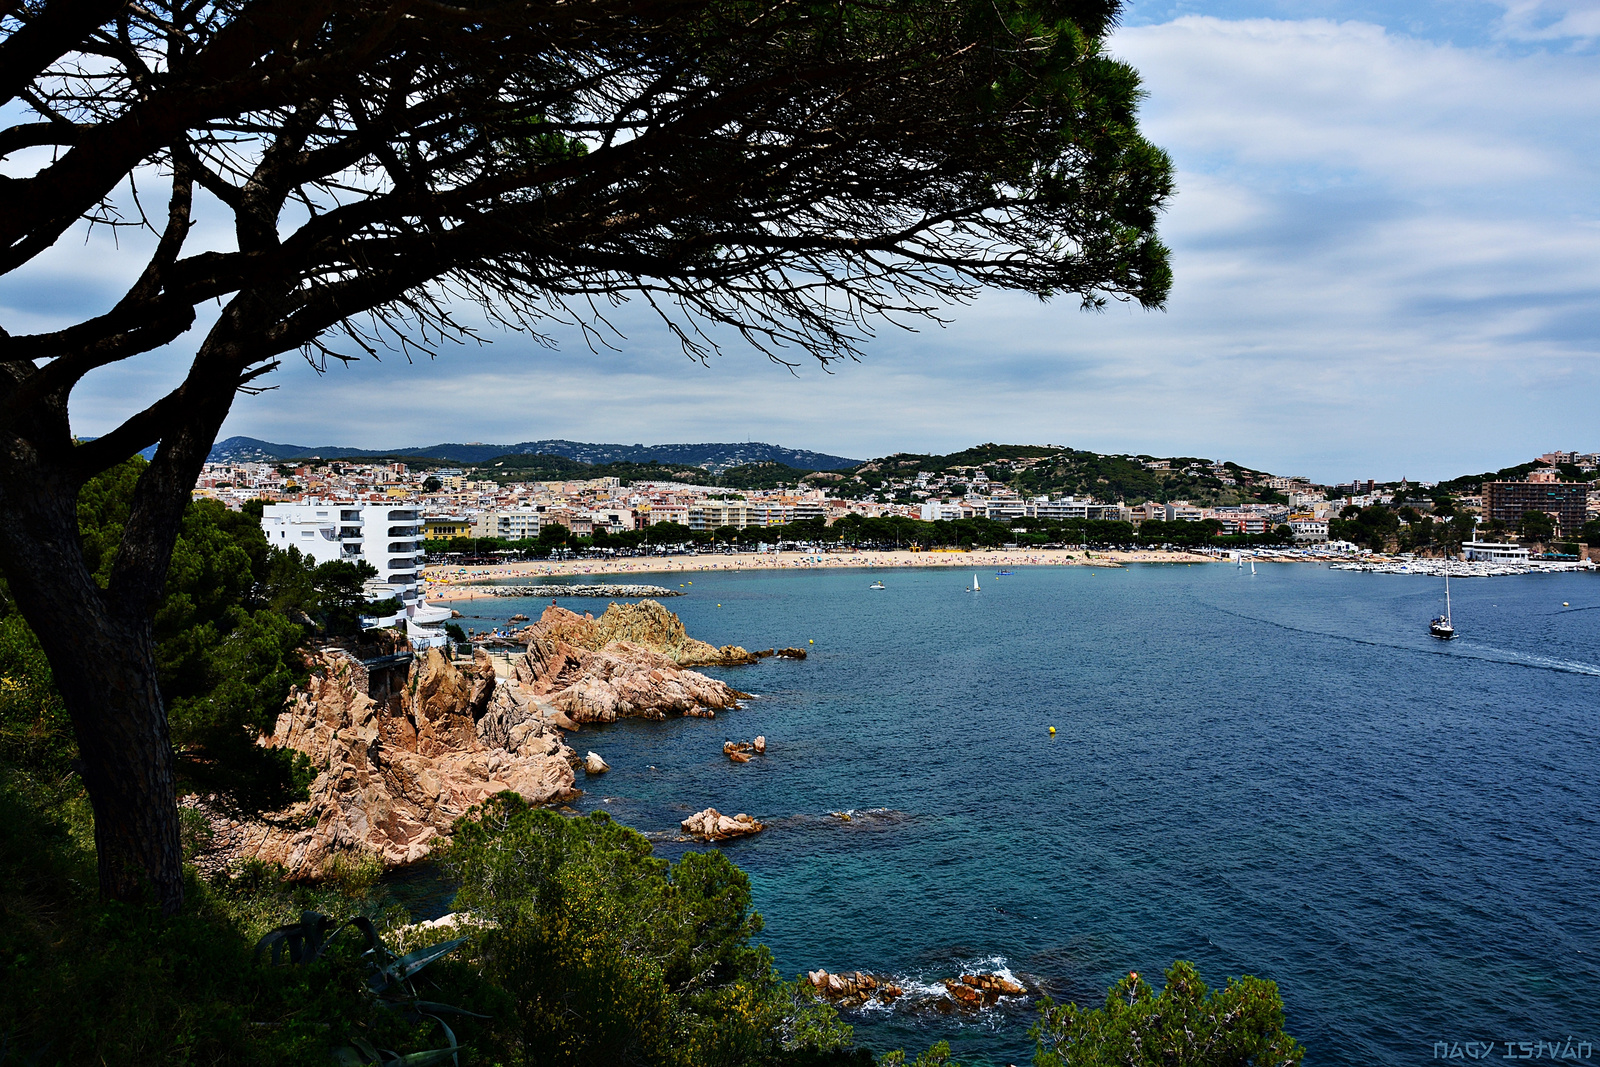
{"type": "Point", "coordinates": [625, 592]}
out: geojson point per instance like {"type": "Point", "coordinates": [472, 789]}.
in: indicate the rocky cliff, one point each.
{"type": "Point", "coordinates": [646, 625]}
{"type": "Point", "coordinates": [392, 775]}
{"type": "Point", "coordinates": [591, 671]}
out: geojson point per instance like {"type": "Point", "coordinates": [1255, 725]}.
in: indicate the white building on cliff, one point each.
{"type": "Point", "coordinates": [388, 536]}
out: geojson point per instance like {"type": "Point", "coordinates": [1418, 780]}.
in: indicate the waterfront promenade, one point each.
{"type": "Point", "coordinates": [457, 583]}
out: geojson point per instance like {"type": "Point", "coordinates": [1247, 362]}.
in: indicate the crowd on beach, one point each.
{"type": "Point", "coordinates": [464, 583]}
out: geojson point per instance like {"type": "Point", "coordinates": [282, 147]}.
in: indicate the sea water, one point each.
{"type": "Point", "coordinates": [1278, 774]}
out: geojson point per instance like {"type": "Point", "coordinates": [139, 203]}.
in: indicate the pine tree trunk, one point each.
{"type": "Point", "coordinates": [103, 657]}
{"type": "Point", "coordinates": [127, 764]}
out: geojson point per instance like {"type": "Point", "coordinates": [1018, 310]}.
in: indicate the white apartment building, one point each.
{"type": "Point", "coordinates": [939, 511]}
{"type": "Point", "coordinates": [387, 536]}
{"type": "Point", "coordinates": [783, 512]}
{"type": "Point", "coordinates": [1183, 511]}
{"type": "Point", "coordinates": [614, 520]}
{"type": "Point", "coordinates": [710, 514]}
{"type": "Point", "coordinates": [657, 513]}
{"type": "Point", "coordinates": [518, 524]}
{"type": "Point", "coordinates": [1308, 528]}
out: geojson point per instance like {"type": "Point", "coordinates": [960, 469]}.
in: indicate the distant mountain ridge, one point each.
{"type": "Point", "coordinates": [713, 457]}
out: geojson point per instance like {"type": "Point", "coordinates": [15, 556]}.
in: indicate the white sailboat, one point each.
{"type": "Point", "coordinates": [1441, 627]}
{"type": "Point", "coordinates": [975, 588]}
{"type": "Point", "coordinates": [1252, 566]}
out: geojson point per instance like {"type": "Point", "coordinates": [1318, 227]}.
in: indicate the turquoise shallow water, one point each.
{"type": "Point", "coordinates": [1280, 775]}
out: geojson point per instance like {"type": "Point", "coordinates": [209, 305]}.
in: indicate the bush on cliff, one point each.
{"type": "Point", "coordinates": [1186, 1023]}
{"type": "Point", "coordinates": [85, 981]}
{"type": "Point", "coordinates": [613, 955]}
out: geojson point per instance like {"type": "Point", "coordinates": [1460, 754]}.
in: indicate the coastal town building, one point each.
{"type": "Point", "coordinates": [444, 527]}
{"type": "Point", "coordinates": [515, 525]}
{"type": "Point", "coordinates": [1565, 502]}
{"type": "Point", "coordinates": [1492, 552]}
{"type": "Point", "coordinates": [1308, 527]}
{"type": "Point", "coordinates": [386, 537]}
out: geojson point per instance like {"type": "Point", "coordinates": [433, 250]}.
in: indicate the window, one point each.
{"type": "Point", "coordinates": [308, 533]}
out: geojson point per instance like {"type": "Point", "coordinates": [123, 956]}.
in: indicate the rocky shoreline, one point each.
{"type": "Point", "coordinates": [403, 744]}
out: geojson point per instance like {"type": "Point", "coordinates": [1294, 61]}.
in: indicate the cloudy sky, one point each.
{"type": "Point", "coordinates": [1387, 252]}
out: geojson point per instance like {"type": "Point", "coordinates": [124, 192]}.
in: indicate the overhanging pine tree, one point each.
{"type": "Point", "coordinates": [786, 175]}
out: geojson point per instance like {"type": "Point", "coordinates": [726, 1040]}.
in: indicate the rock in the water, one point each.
{"type": "Point", "coordinates": [963, 994]}
{"type": "Point", "coordinates": [998, 984]}
{"type": "Point", "coordinates": [712, 825]}
{"type": "Point", "coordinates": [393, 776]}
{"type": "Point", "coordinates": [792, 653]}
{"type": "Point", "coordinates": [852, 990]}
{"type": "Point", "coordinates": [593, 764]}
{"type": "Point", "coordinates": [574, 664]}
{"type": "Point", "coordinates": [742, 751]}
{"type": "Point", "coordinates": [980, 990]}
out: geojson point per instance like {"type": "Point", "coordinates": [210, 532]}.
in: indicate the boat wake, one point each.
{"type": "Point", "coordinates": [1460, 647]}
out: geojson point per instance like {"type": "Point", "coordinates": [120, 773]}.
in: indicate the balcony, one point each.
{"type": "Point", "coordinates": [407, 578]}
{"type": "Point", "coordinates": [402, 546]}
{"type": "Point", "coordinates": [350, 533]}
{"type": "Point", "coordinates": [404, 531]}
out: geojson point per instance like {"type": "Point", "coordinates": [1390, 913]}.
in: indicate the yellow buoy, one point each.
{"type": "Point", "coordinates": [810, 642]}
{"type": "Point", "coordinates": [1564, 604]}
{"type": "Point", "coordinates": [719, 605]}
{"type": "Point", "coordinates": [1052, 729]}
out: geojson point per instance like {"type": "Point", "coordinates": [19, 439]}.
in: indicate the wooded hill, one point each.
{"type": "Point", "coordinates": [543, 468]}
{"type": "Point", "coordinates": [1038, 470]}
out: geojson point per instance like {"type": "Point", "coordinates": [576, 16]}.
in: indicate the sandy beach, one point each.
{"type": "Point", "coordinates": [447, 583]}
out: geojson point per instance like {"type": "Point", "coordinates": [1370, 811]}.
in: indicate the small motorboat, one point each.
{"type": "Point", "coordinates": [877, 585]}
{"type": "Point", "coordinates": [1004, 574]}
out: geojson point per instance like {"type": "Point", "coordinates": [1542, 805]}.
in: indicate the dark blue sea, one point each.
{"type": "Point", "coordinates": [1277, 774]}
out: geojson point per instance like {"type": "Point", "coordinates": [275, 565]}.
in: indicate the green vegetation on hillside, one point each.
{"type": "Point", "coordinates": [1186, 1023]}
{"type": "Point", "coordinates": [1035, 470]}
{"type": "Point", "coordinates": [233, 616]}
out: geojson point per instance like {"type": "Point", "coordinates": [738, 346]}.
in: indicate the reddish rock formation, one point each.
{"type": "Point", "coordinates": [593, 680]}
{"type": "Point", "coordinates": [712, 825]}
{"type": "Point", "coordinates": [970, 991]}
{"type": "Point", "coordinates": [853, 990]}
{"type": "Point", "coordinates": [393, 776]}
{"type": "Point", "coordinates": [979, 990]}
{"type": "Point", "coordinates": [646, 625]}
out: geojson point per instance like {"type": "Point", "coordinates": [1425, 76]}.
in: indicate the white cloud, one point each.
{"type": "Point", "coordinates": [1551, 20]}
